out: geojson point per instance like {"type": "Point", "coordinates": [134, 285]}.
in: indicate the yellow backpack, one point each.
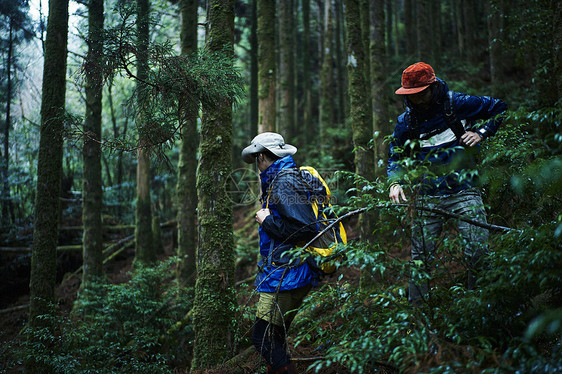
{"type": "Point", "coordinates": [324, 246]}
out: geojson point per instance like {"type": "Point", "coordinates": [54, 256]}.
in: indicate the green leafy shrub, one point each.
{"type": "Point", "coordinates": [116, 328]}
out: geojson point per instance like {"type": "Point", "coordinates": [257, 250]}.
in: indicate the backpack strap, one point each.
{"type": "Point", "coordinates": [451, 118]}
{"type": "Point", "coordinates": [284, 171]}
{"type": "Point", "coordinates": [449, 115]}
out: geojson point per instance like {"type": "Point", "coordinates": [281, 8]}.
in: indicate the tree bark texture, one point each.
{"type": "Point", "coordinates": [92, 180]}
{"type": "Point", "coordinates": [327, 87]}
{"type": "Point", "coordinates": [144, 250]}
{"type": "Point", "coordinates": [266, 66]}
{"type": "Point", "coordinates": [49, 165]}
{"type": "Point", "coordinates": [286, 68]}
{"type": "Point", "coordinates": [306, 73]}
{"type": "Point", "coordinates": [187, 164]}
{"type": "Point", "coordinates": [5, 201]}
{"type": "Point", "coordinates": [341, 73]}
{"type": "Point", "coordinates": [254, 101]}
{"type": "Point", "coordinates": [378, 85]}
{"type": "Point", "coordinates": [214, 306]}
{"type": "Point", "coordinates": [359, 95]}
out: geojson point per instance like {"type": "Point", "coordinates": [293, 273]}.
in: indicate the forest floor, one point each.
{"type": "Point", "coordinates": [13, 315]}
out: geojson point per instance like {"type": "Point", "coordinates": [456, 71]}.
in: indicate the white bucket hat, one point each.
{"type": "Point", "coordinates": [271, 141]}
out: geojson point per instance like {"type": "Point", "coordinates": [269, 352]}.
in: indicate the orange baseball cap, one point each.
{"type": "Point", "coordinates": [416, 78]}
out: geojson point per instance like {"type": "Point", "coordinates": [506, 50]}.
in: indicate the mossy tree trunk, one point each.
{"type": "Point", "coordinates": [49, 169]}
{"type": "Point", "coordinates": [286, 69]}
{"type": "Point", "coordinates": [378, 85]}
{"type": "Point", "coordinates": [254, 102]}
{"type": "Point", "coordinates": [327, 99]}
{"type": "Point", "coordinates": [144, 250]}
{"type": "Point", "coordinates": [213, 312]}
{"type": "Point", "coordinates": [266, 66]}
{"type": "Point", "coordinates": [187, 166]}
{"type": "Point", "coordinates": [92, 180]}
{"type": "Point", "coordinates": [359, 95]}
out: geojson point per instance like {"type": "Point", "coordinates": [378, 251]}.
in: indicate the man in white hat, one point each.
{"type": "Point", "coordinates": [283, 280]}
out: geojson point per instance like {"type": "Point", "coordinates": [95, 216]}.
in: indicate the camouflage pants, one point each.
{"type": "Point", "coordinates": [427, 227]}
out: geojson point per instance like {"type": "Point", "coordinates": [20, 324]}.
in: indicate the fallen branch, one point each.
{"type": "Point", "coordinates": [432, 210]}
{"type": "Point", "coordinates": [484, 225]}
{"type": "Point", "coordinates": [62, 248]}
{"type": "Point", "coordinates": [105, 251]}
{"type": "Point", "coordinates": [14, 309]}
{"type": "Point", "coordinates": [249, 279]}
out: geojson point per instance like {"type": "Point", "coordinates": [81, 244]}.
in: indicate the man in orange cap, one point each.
{"type": "Point", "coordinates": [440, 127]}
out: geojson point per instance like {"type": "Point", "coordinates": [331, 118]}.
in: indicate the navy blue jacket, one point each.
{"type": "Point", "coordinates": [289, 224]}
{"type": "Point", "coordinates": [452, 165]}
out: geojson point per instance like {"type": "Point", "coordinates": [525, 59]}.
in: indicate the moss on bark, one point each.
{"type": "Point", "coordinates": [214, 306]}
{"type": "Point", "coordinates": [187, 165]}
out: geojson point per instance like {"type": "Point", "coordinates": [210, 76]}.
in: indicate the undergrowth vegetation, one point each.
{"type": "Point", "coordinates": [511, 323]}
{"type": "Point", "coordinates": [134, 327]}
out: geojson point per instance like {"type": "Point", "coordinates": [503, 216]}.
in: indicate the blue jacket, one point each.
{"type": "Point", "coordinates": [288, 224]}
{"type": "Point", "coordinates": [451, 164]}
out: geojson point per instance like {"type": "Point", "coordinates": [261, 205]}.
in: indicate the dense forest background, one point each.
{"type": "Point", "coordinates": [127, 239]}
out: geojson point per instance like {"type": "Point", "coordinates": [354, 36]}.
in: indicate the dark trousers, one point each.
{"type": "Point", "coordinates": [271, 342]}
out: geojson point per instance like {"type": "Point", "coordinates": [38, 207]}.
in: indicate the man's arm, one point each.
{"type": "Point", "coordinates": [393, 170]}
{"type": "Point", "coordinates": [481, 108]}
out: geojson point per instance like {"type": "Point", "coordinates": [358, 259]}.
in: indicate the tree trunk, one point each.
{"type": "Point", "coordinates": [410, 27]}
{"type": "Point", "coordinates": [187, 164]}
{"type": "Point", "coordinates": [471, 30]}
{"type": "Point", "coordinates": [340, 86]}
{"type": "Point", "coordinates": [423, 30]}
{"type": "Point", "coordinates": [495, 11]}
{"type": "Point", "coordinates": [306, 73]}
{"type": "Point", "coordinates": [360, 106]}
{"type": "Point", "coordinates": [378, 84]}
{"type": "Point", "coordinates": [327, 72]}
{"type": "Point", "coordinates": [458, 9]}
{"type": "Point", "coordinates": [92, 182]}
{"type": "Point", "coordinates": [396, 29]}
{"type": "Point", "coordinates": [435, 17]}
{"type": "Point", "coordinates": [144, 250]}
{"type": "Point", "coordinates": [389, 44]}
{"type": "Point", "coordinates": [7, 212]}
{"type": "Point", "coordinates": [286, 68]}
{"type": "Point", "coordinates": [254, 102]}
{"type": "Point", "coordinates": [557, 45]}
{"type": "Point", "coordinates": [213, 311]}
{"type": "Point", "coordinates": [116, 134]}
{"type": "Point", "coordinates": [266, 65]}
{"type": "Point", "coordinates": [49, 168]}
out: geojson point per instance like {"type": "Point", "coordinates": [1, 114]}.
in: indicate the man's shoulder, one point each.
{"type": "Point", "coordinates": [402, 119]}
